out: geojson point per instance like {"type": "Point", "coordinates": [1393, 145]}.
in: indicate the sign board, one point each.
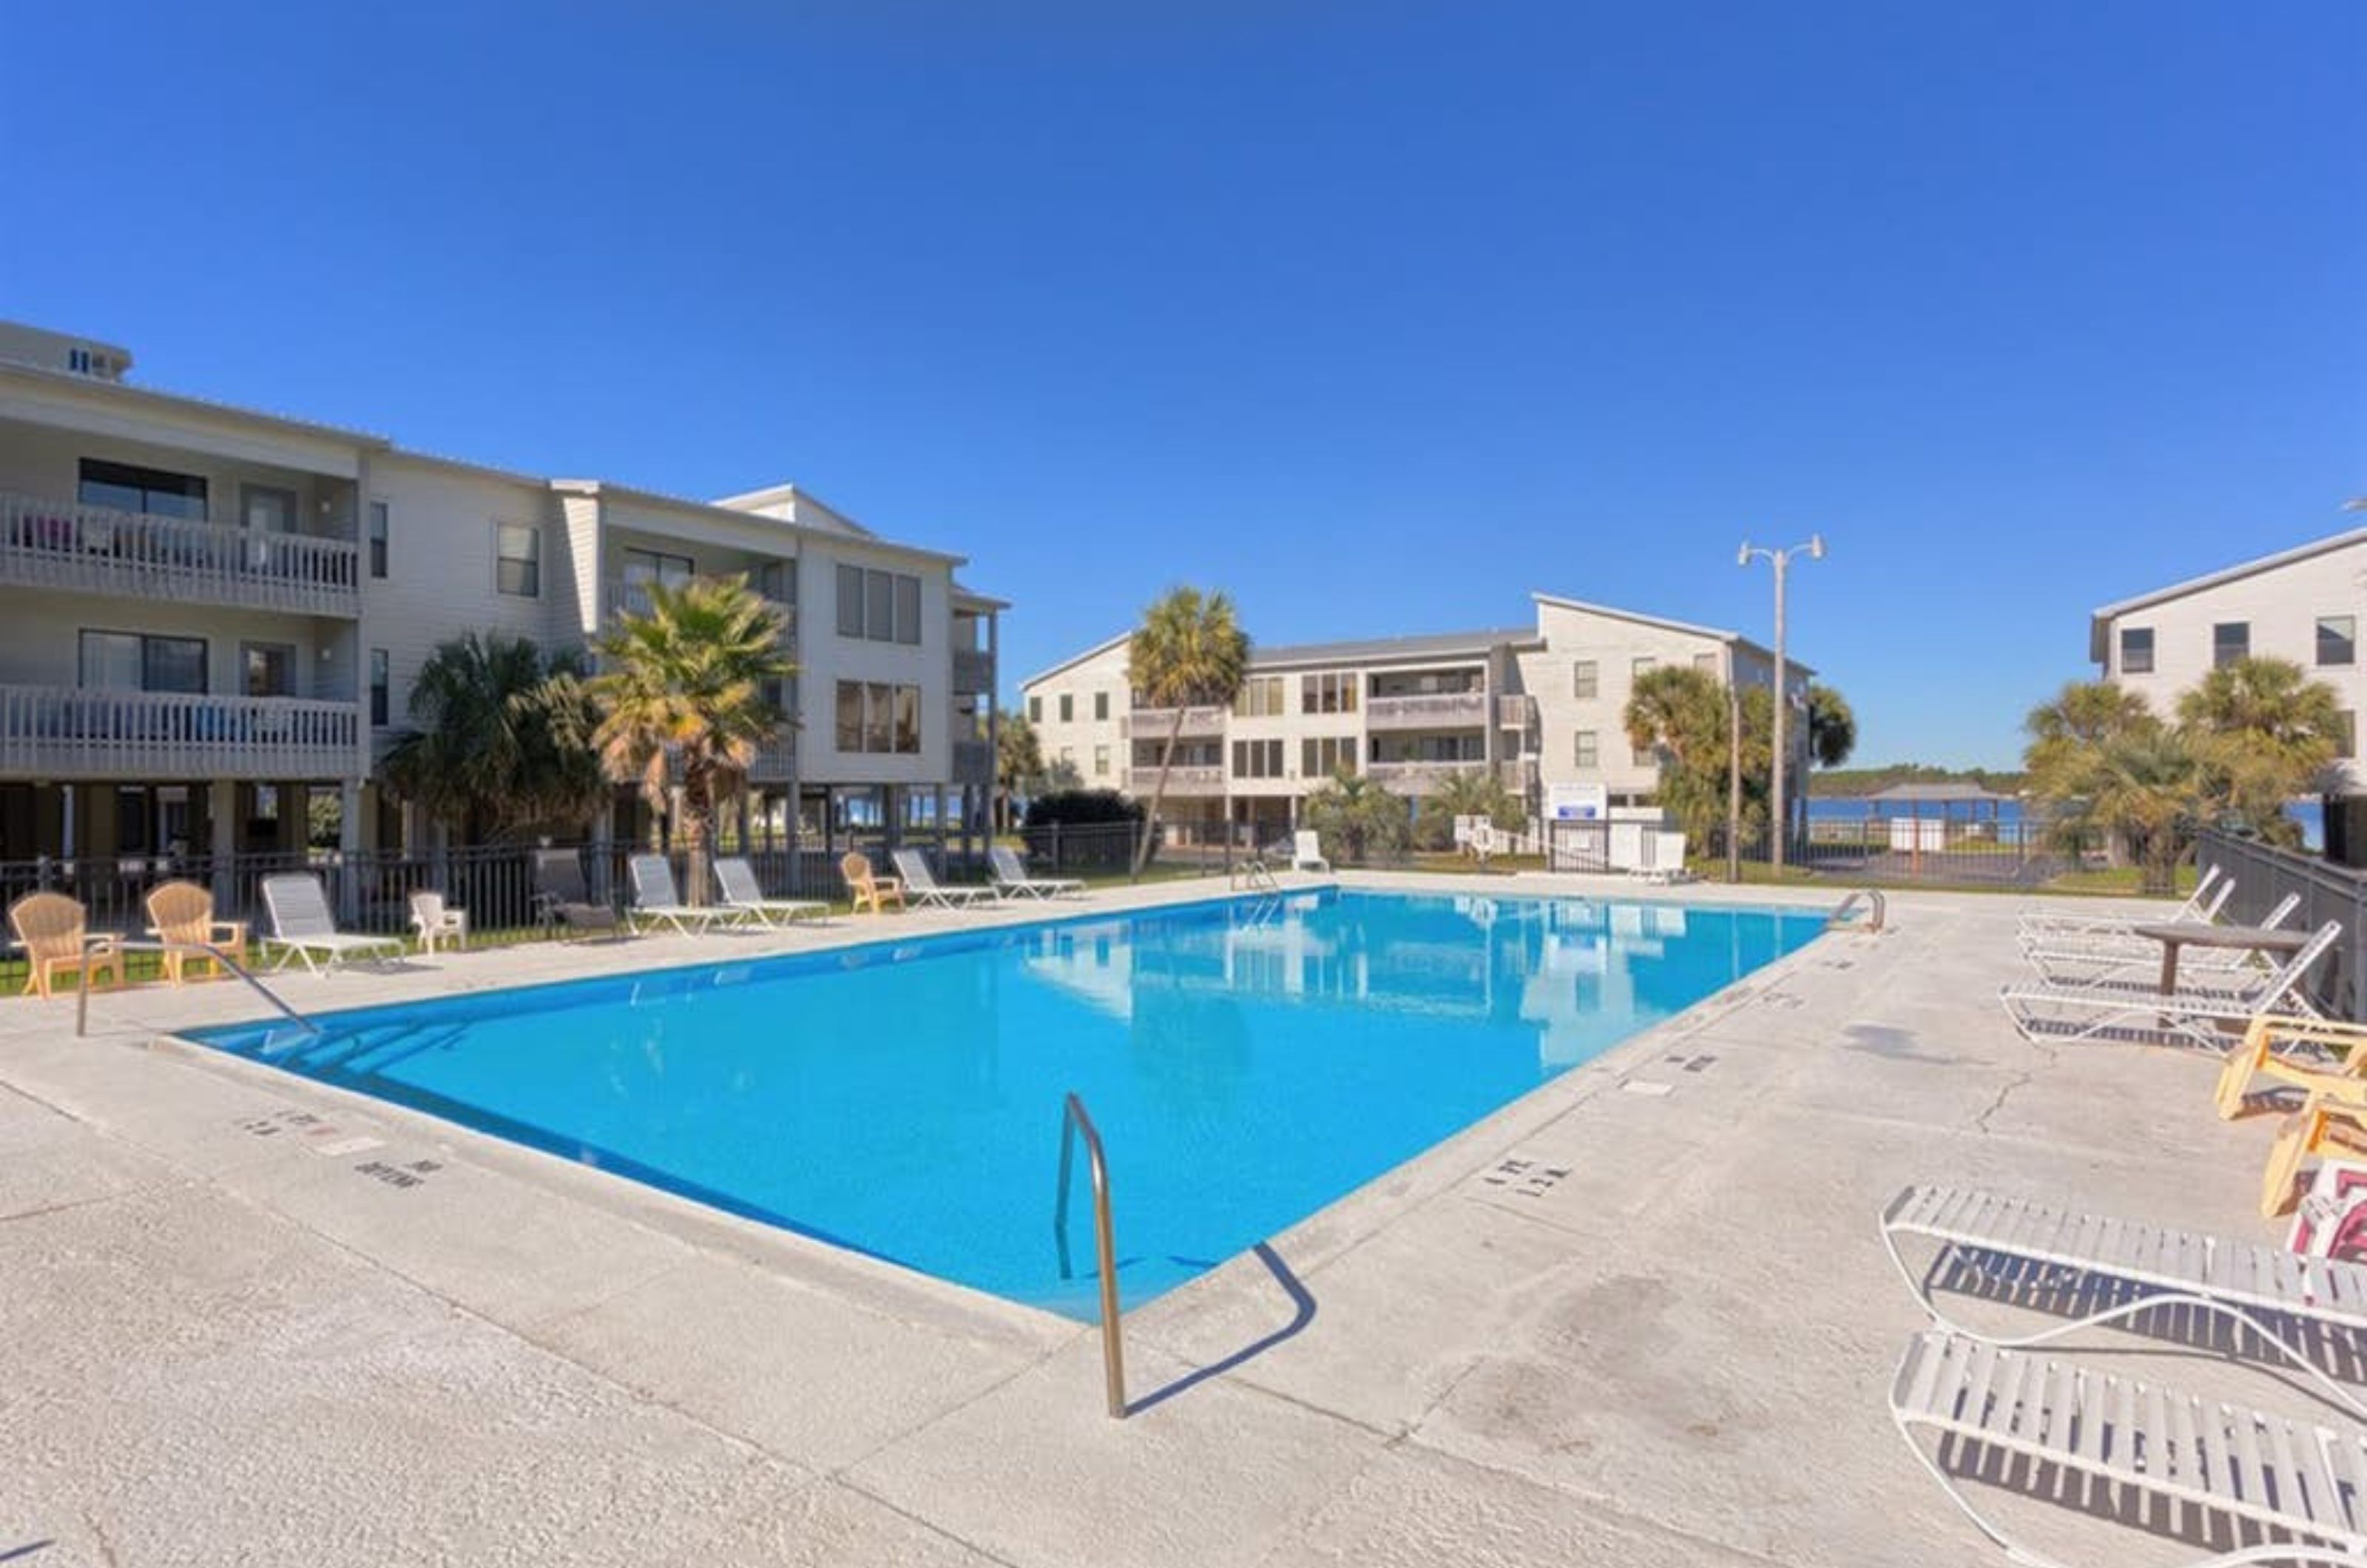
{"type": "Point", "coordinates": [1577, 803]}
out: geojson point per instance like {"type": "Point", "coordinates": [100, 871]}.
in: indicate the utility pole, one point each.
{"type": "Point", "coordinates": [1733, 772]}
{"type": "Point", "coordinates": [1779, 822]}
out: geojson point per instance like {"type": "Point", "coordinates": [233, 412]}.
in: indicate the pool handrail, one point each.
{"type": "Point", "coordinates": [1877, 908]}
{"type": "Point", "coordinates": [194, 949]}
{"type": "Point", "coordinates": [1073, 1120]}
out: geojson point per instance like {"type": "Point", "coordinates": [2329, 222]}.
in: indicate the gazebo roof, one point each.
{"type": "Point", "coordinates": [1936, 794]}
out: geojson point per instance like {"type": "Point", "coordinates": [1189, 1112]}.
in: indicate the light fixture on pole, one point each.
{"type": "Point", "coordinates": [1777, 822]}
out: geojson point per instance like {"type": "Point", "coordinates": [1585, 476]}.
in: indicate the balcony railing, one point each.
{"type": "Point", "coordinates": [1520, 776]}
{"type": "Point", "coordinates": [973, 764]}
{"type": "Point", "coordinates": [97, 549]}
{"type": "Point", "coordinates": [1195, 778]}
{"type": "Point", "coordinates": [1420, 776]}
{"type": "Point", "coordinates": [69, 732]}
{"type": "Point", "coordinates": [1155, 724]}
{"type": "Point", "coordinates": [619, 599]}
{"type": "Point", "coordinates": [776, 760]}
{"type": "Point", "coordinates": [1429, 710]}
{"type": "Point", "coordinates": [1516, 713]}
{"type": "Point", "coordinates": [973, 669]}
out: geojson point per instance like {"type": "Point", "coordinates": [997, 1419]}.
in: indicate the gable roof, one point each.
{"type": "Point", "coordinates": [1073, 661]}
{"type": "Point", "coordinates": [1715, 634]}
{"type": "Point", "coordinates": [2100, 622]}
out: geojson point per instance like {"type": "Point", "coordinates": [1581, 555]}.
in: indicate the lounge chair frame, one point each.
{"type": "Point", "coordinates": [1012, 879]}
{"type": "Point", "coordinates": [735, 878]}
{"type": "Point", "coordinates": [922, 886]}
{"type": "Point", "coordinates": [2190, 1015]}
{"type": "Point", "coordinates": [657, 899]}
{"type": "Point", "coordinates": [304, 928]}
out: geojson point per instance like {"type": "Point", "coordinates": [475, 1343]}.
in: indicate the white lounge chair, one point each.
{"type": "Point", "coordinates": [2068, 956]}
{"type": "Point", "coordinates": [436, 920]}
{"type": "Point", "coordinates": [301, 926]}
{"type": "Point", "coordinates": [2210, 896]}
{"type": "Point", "coordinates": [2193, 1014]}
{"type": "Point", "coordinates": [742, 891]}
{"type": "Point", "coordinates": [655, 898]}
{"type": "Point", "coordinates": [2067, 1257]}
{"type": "Point", "coordinates": [1012, 880]}
{"type": "Point", "coordinates": [1994, 1413]}
{"type": "Point", "coordinates": [1306, 851]}
{"type": "Point", "coordinates": [923, 889]}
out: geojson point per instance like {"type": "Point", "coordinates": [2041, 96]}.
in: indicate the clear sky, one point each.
{"type": "Point", "coordinates": [1379, 315]}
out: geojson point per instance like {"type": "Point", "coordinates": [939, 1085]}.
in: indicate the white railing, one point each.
{"type": "Point", "coordinates": [1429, 708]}
{"type": "Point", "coordinates": [973, 764]}
{"type": "Point", "coordinates": [1154, 724]}
{"type": "Point", "coordinates": [66, 732]}
{"type": "Point", "coordinates": [973, 669]}
{"type": "Point", "coordinates": [1420, 775]}
{"type": "Point", "coordinates": [618, 599]}
{"type": "Point", "coordinates": [97, 549]}
{"type": "Point", "coordinates": [1194, 778]}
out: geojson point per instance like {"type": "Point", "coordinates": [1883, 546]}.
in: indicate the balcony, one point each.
{"type": "Point", "coordinates": [69, 732]}
{"type": "Point", "coordinates": [1431, 710]}
{"type": "Point", "coordinates": [1182, 779]}
{"type": "Point", "coordinates": [973, 671]}
{"type": "Point", "coordinates": [777, 760]}
{"type": "Point", "coordinates": [1156, 724]}
{"type": "Point", "coordinates": [96, 549]}
{"type": "Point", "coordinates": [973, 764]}
{"type": "Point", "coordinates": [1519, 776]}
{"type": "Point", "coordinates": [620, 599]}
{"type": "Point", "coordinates": [1419, 778]}
{"type": "Point", "coordinates": [1516, 713]}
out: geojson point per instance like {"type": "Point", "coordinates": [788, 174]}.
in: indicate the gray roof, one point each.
{"type": "Point", "coordinates": [1903, 794]}
{"type": "Point", "coordinates": [1373, 651]}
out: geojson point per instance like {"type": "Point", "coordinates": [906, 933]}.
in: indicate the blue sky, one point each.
{"type": "Point", "coordinates": [1379, 315]}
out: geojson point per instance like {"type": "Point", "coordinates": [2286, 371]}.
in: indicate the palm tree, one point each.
{"type": "Point", "coordinates": [1190, 652]}
{"type": "Point", "coordinates": [2265, 732]}
{"type": "Point", "coordinates": [1833, 727]}
{"type": "Point", "coordinates": [1477, 793]}
{"type": "Point", "coordinates": [1684, 716]}
{"type": "Point", "coordinates": [1018, 762]}
{"type": "Point", "coordinates": [502, 739]}
{"type": "Point", "coordinates": [683, 698]}
{"type": "Point", "coordinates": [2145, 786]}
{"type": "Point", "coordinates": [1355, 819]}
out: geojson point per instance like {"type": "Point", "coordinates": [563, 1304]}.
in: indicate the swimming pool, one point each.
{"type": "Point", "coordinates": [1248, 1062]}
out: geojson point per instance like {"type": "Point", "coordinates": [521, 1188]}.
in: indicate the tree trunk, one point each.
{"type": "Point", "coordinates": [1158, 791]}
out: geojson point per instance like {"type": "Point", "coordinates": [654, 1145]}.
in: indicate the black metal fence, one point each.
{"type": "Point", "coordinates": [1886, 852]}
{"type": "Point", "coordinates": [2263, 874]}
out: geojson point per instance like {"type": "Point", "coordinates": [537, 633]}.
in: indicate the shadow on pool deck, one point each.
{"type": "Point", "coordinates": [1302, 1303]}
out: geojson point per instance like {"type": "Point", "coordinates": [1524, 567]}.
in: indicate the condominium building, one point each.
{"type": "Point", "coordinates": [2301, 605]}
{"type": "Point", "coordinates": [214, 616]}
{"type": "Point", "coordinates": [1541, 707]}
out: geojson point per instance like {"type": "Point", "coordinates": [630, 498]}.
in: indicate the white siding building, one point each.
{"type": "Point", "coordinates": [2302, 605]}
{"type": "Point", "coordinates": [214, 615]}
{"type": "Point", "coordinates": [1539, 708]}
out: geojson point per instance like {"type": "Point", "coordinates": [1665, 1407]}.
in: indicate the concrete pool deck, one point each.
{"type": "Point", "coordinates": [1640, 1316]}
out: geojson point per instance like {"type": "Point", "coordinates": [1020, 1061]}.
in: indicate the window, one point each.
{"type": "Point", "coordinates": [126, 661]}
{"type": "Point", "coordinates": [266, 669]}
{"type": "Point", "coordinates": [2346, 733]}
{"type": "Point", "coordinates": [1034, 710]}
{"type": "Point", "coordinates": [153, 490]}
{"type": "Point", "coordinates": [380, 519]}
{"type": "Point", "coordinates": [1101, 707]}
{"type": "Point", "coordinates": [1584, 678]}
{"type": "Point", "coordinates": [1327, 693]}
{"type": "Point", "coordinates": [1261, 697]}
{"type": "Point", "coordinates": [2338, 640]}
{"type": "Point", "coordinates": [1257, 759]}
{"type": "Point", "coordinates": [850, 606]}
{"type": "Point", "coordinates": [1706, 662]}
{"type": "Point", "coordinates": [2230, 640]}
{"type": "Point", "coordinates": [876, 718]}
{"type": "Point", "coordinates": [1068, 708]}
{"type": "Point", "coordinates": [1321, 758]}
{"type": "Point", "coordinates": [266, 510]}
{"type": "Point", "coordinates": [1589, 749]}
{"type": "Point", "coordinates": [517, 569]}
{"type": "Point", "coordinates": [642, 567]}
{"type": "Point", "coordinates": [2136, 650]}
{"type": "Point", "coordinates": [850, 712]}
{"type": "Point", "coordinates": [382, 687]}
{"type": "Point", "coordinates": [1643, 667]}
{"type": "Point", "coordinates": [1101, 762]}
{"type": "Point", "coordinates": [878, 607]}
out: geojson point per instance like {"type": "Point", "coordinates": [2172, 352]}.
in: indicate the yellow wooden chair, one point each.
{"type": "Point", "coordinates": [182, 913]}
{"type": "Point", "coordinates": [2332, 1124]}
{"type": "Point", "coordinates": [869, 891]}
{"type": "Point", "coordinates": [54, 932]}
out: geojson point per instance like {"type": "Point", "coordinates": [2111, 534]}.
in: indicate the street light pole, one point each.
{"type": "Point", "coordinates": [1778, 823]}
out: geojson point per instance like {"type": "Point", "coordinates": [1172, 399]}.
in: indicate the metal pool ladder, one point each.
{"type": "Point", "coordinates": [195, 950]}
{"type": "Point", "coordinates": [1073, 1121]}
{"type": "Point", "coordinates": [1870, 897]}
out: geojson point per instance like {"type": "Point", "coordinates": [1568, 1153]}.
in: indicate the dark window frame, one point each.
{"type": "Point", "coordinates": [517, 576]}
{"type": "Point", "coordinates": [2346, 640]}
{"type": "Point", "coordinates": [2144, 664]}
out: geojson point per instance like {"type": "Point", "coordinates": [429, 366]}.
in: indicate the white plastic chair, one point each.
{"type": "Point", "coordinates": [434, 921]}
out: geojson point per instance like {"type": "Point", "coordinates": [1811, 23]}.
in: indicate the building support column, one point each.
{"type": "Point", "coordinates": [222, 820]}
{"type": "Point", "coordinates": [349, 849]}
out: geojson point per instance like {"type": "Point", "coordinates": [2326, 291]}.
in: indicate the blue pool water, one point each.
{"type": "Point", "coordinates": [1247, 1065]}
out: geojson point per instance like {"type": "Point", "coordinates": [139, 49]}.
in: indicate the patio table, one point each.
{"type": "Point", "coordinates": [2176, 935]}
